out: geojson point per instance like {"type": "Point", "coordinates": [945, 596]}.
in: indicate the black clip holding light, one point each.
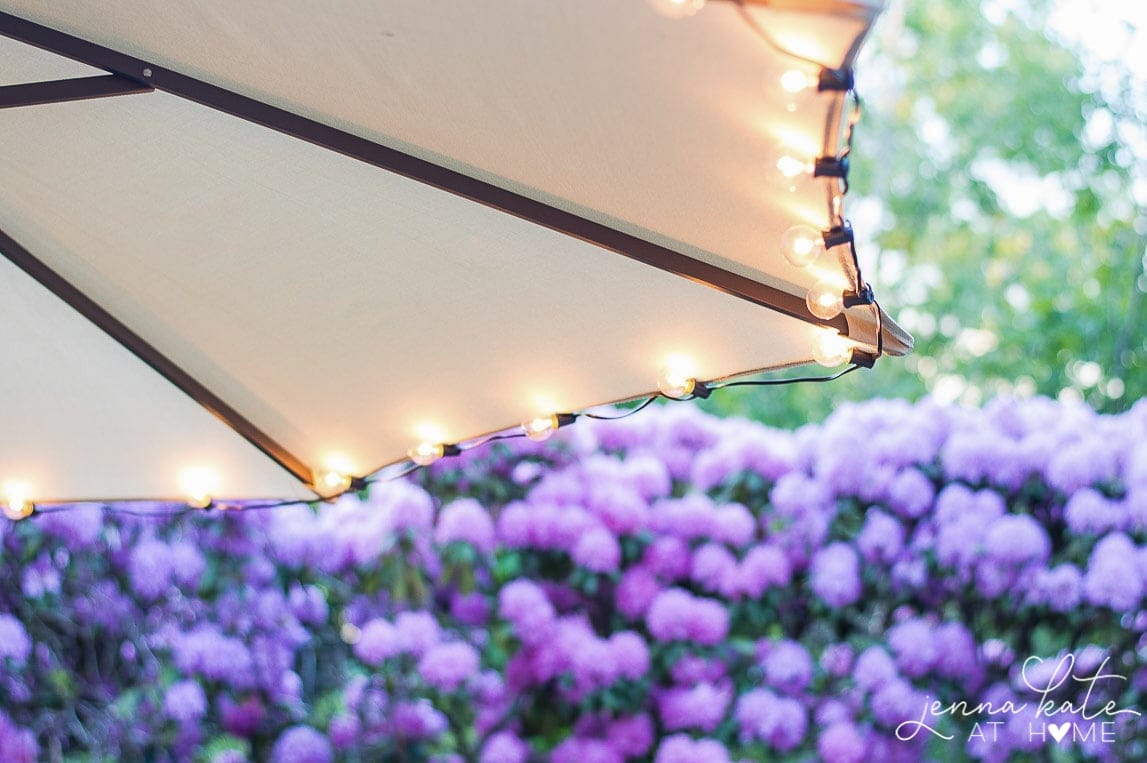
{"type": "Point", "coordinates": [835, 80]}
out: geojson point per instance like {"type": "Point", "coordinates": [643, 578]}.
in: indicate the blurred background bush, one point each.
{"type": "Point", "coordinates": [671, 587]}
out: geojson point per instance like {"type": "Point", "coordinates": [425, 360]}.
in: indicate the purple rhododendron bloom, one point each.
{"type": "Point", "coordinates": [912, 643]}
{"type": "Point", "coordinates": [1112, 578]}
{"type": "Point", "coordinates": [836, 575]}
{"type": "Point", "coordinates": [466, 521]}
{"type": "Point", "coordinates": [631, 736]}
{"type": "Point", "coordinates": [635, 592]}
{"type": "Point", "coordinates": [185, 701]}
{"type": "Point", "coordinates": [841, 743]}
{"type": "Point", "coordinates": [597, 550]}
{"type": "Point", "coordinates": [447, 666]}
{"type": "Point", "coordinates": [676, 615]}
{"type": "Point", "coordinates": [417, 631]}
{"type": "Point", "coordinates": [701, 706]}
{"type": "Point", "coordinates": [302, 744]}
{"type": "Point", "coordinates": [714, 569]}
{"type": "Point", "coordinates": [763, 567]}
{"type": "Point", "coordinates": [788, 667]}
{"type": "Point", "coordinates": [378, 641]}
{"type": "Point", "coordinates": [14, 642]}
{"type": "Point", "coordinates": [504, 747]}
{"type": "Point", "coordinates": [679, 748]}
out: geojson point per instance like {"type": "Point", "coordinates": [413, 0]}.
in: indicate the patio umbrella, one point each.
{"type": "Point", "coordinates": [256, 249]}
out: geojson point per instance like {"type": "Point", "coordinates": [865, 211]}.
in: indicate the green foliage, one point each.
{"type": "Point", "coordinates": [1002, 165]}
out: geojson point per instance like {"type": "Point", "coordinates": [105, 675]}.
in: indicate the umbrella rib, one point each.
{"type": "Point", "coordinates": [421, 170]}
{"type": "Point", "coordinates": [19, 256]}
{"type": "Point", "coordinates": [64, 90]}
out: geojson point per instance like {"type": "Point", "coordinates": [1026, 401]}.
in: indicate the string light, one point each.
{"type": "Point", "coordinates": [825, 300]}
{"type": "Point", "coordinates": [17, 500]}
{"type": "Point", "coordinates": [542, 428]}
{"type": "Point", "coordinates": [426, 453]}
{"type": "Point", "coordinates": [795, 81]}
{"type": "Point", "coordinates": [791, 167]}
{"type": "Point", "coordinates": [675, 384]}
{"type": "Point", "coordinates": [332, 482]}
{"type": "Point", "coordinates": [677, 9]}
{"type": "Point", "coordinates": [831, 349]}
{"type": "Point", "coordinates": [200, 486]}
{"type": "Point", "coordinates": [801, 245]}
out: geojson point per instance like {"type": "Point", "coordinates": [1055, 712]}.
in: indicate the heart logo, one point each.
{"type": "Point", "coordinates": [1058, 732]}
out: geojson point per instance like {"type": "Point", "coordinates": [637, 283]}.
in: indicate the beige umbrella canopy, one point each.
{"type": "Point", "coordinates": [245, 244]}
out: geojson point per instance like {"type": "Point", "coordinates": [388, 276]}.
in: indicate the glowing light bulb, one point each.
{"type": "Point", "coordinates": [200, 486]}
{"type": "Point", "coordinates": [675, 383]}
{"type": "Point", "coordinates": [801, 245]}
{"type": "Point", "coordinates": [426, 453]}
{"type": "Point", "coordinates": [677, 9]}
{"type": "Point", "coordinates": [790, 166]}
{"type": "Point", "coordinates": [831, 349]}
{"type": "Point", "coordinates": [794, 81]}
{"type": "Point", "coordinates": [541, 428]}
{"type": "Point", "coordinates": [17, 500]}
{"type": "Point", "coordinates": [332, 482]}
{"type": "Point", "coordinates": [825, 300]}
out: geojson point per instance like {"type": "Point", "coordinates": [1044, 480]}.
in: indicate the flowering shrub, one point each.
{"type": "Point", "coordinates": [668, 588]}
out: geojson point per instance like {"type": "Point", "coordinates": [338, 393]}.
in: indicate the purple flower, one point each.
{"type": "Point", "coordinates": [881, 539]}
{"type": "Point", "coordinates": [764, 567]}
{"type": "Point", "coordinates": [597, 550]}
{"type": "Point", "coordinates": [668, 558]}
{"type": "Point", "coordinates": [912, 643]}
{"type": "Point", "coordinates": [619, 507]}
{"type": "Point", "coordinates": [874, 667]}
{"type": "Point", "coordinates": [504, 747]}
{"type": "Point", "coordinates": [836, 659]}
{"type": "Point", "coordinates": [14, 642]}
{"type": "Point", "coordinates": [630, 654]}
{"type": "Point", "coordinates": [1060, 588]}
{"type": "Point", "coordinates": [378, 641]}
{"type": "Point", "coordinates": [701, 707]}
{"type": "Point", "coordinates": [635, 592]}
{"type": "Point", "coordinates": [1081, 464]}
{"type": "Point", "coordinates": [185, 701]}
{"type": "Point", "coordinates": [526, 607]}
{"type": "Point", "coordinates": [302, 744]}
{"type": "Point", "coordinates": [841, 743]}
{"type": "Point", "coordinates": [466, 521]}
{"type": "Point", "coordinates": [1017, 539]}
{"type": "Point", "coordinates": [470, 608]}
{"type": "Point", "coordinates": [417, 720]}
{"type": "Point", "coordinates": [446, 666]}
{"type": "Point", "coordinates": [956, 654]}
{"type": "Point", "coordinates": [149, 568]}
{"type": "Point", "coordinates": [675, 615]}
{"type": "Point", "coordinates": [788, 667]}
{"type": "Point", "coordinates": [714, 568]}
{"type": "Point", "coordinates": [344, 731]}
{"type": "Point", "coordinates": [734, 525]}
{"type": "Point", "coordinates": [1113, 578]}
{"type": "Point", "coordinates": [778, 721]}
{"type": "Point", "coordinates": [910, 494]}
{"type": "Point", "coordinates": [417, 631]}
{"type": "Point", "coordinates": [835, 575]}
{"type": "Point", "coordinates": [895, 702]}
{"type": "Point", "coordinates": [1087, 511]}
{"type": "Point", "coordinates": [187, 564]}
{"type": "Point", "coordinates": [631, 736]}
{"type": "Point", "coordinates": [679, 748]}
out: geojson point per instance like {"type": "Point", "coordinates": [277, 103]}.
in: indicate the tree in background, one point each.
{"type": "Point", "coordinates": [999, 193]}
